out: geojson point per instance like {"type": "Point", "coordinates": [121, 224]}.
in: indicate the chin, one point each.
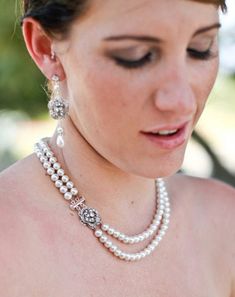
{"type": "Point", "coordinates": [164, 167]}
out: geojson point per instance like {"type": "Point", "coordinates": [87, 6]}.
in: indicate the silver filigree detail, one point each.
{"type": "Point", "coordinates": [90, 217]}
{"type": "Point", "coordinates": [58, 108]}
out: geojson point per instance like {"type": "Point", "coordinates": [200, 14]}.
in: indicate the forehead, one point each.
{"type": "Point", "coordinates": [146, 16]}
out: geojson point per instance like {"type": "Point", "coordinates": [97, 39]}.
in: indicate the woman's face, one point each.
{"type": "Point", "coordinates": [138, 74]}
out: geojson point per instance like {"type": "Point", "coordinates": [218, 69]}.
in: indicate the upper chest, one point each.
{"type": "Point", "coordinates": [59, 263]}
{"type": "Point", "coordinates": [56, 256]}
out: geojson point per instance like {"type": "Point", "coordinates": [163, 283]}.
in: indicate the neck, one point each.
{"type": "Point", "coordinates": [115, 193]}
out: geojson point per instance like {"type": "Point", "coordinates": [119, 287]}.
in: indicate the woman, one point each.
{"type": "Point", "coordinates": [129, 81]}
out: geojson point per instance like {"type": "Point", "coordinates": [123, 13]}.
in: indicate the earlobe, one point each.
{"type": "Point", "coordinates": [39, 46]}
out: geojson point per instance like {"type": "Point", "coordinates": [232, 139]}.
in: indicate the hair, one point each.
{"type": "Point", "coordinates": [56, 16]}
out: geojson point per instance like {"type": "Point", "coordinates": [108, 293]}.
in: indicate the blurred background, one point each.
{"type": "Point", "coordinates": [23, 104]}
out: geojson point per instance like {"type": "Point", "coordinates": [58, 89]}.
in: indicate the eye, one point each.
{"type": "Point", "coordinates": [134, 63]}
{"type": "Point", "coordinates": [200, 55]}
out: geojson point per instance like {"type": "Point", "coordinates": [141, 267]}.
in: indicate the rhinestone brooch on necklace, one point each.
{"type": "Point", "coordinates": [91, 218]}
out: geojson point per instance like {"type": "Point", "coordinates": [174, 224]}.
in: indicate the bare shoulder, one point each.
{"type": "Point", "coordinates": [208, 188]}
{"type": "Point", "coordinates": [20, 212]}
{"type": "Point", "coordinates": [23, 178]}
{"type": "Point", "coordinates": [211, 202]}
{"type": "Point", "coordinates": [215, 196]}
{"type": "Point", "coordinates": [18, 183]}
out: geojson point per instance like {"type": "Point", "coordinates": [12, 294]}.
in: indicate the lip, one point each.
{"type": "Point", "coordinates": [168, 142]}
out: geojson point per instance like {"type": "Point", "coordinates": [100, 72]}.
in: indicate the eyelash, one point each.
{"type": "Point", "coordinates": [197, 55]}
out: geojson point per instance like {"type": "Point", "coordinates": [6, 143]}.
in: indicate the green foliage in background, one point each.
{"type": "Point", "coordinates": [20, 81]}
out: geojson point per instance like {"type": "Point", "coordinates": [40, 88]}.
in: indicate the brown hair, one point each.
{"type": "Point", "coordinates": [56, 16]}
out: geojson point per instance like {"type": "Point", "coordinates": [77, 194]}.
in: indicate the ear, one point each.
{"type": "Point", "coordinates": [39, 45]}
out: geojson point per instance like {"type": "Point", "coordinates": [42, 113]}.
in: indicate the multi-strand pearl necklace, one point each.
{"type": "Point", "coordinates": [90, 217]}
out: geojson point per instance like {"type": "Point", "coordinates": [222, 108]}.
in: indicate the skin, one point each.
{"type": "Point", "coordinates": [113, 164]}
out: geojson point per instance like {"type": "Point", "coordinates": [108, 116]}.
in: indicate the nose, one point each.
{"type": "Point", "coordinates": [174, 93]}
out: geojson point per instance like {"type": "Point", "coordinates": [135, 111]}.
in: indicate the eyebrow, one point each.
{"type": "Point", "coordinates": [155, 39]}
{"type": "Point", "coordinates": [208, 28]}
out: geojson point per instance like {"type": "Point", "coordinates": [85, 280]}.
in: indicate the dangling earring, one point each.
{"type": "Point", "coordinates": [58, 108]}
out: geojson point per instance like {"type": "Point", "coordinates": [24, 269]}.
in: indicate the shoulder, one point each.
{"type": "Point", "coordinates": [211, 196]}
{"type": "Point", "coordinates": [18, 185]}
{"type": "Point", "coordinates": [210, 188]}
{"type": "Point", "coordinates": [20, 212]}
{"type": "Point", "coordinates": [211, 203]}
{"type": "Point", "coordinates": [215, 196]}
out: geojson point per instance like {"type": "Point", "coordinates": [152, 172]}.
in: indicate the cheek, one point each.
{"type": "Point", "coordinates": [203, 82]}
{"type": "Point", "coordinates": [108, 97]}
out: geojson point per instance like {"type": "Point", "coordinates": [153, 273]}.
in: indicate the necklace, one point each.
{"type": "Point", "coordinates": [91, 218]}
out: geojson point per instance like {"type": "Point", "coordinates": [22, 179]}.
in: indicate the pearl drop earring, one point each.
{"type": "Point", "coordinates": [58, 108]}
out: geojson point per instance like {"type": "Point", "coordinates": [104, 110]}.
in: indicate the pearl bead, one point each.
{"type": "Point", "coordinates": [141, 237]}
{"type": "Point", "coordinates": [60, 172]}
{"type": "Point", "coordinates": [159, 238]}
{"type": "Point", "coordinates": [136, 239]}
{"type": "Point", "coordinates": [103, 238]}
{"type": "Point", "coordinates": [161, 212]}
{"type": "Point", "coordinates": [132, 258]}
{"type": "Point", "coordinates": [60, 130]}
{"type": "Point", "coordinates": [63, 189]}
{"type": "Point", "coordinates": [39, 154]}
{"type": "Point", "coordinates": [158, 217]}
{"type": "Point", "coordinates": [50, 171]}
{"type": "Point", "coordinates": [161, 201]}
{"type": "Point", "coordinates": [121, 236]}
{"type": "Point", "coordinates": [126, 240]}
{"type": "Point", "coordinates": [164, 227]}
{"type": "Point", "coordinates": [146, 234]}
{"type": "Point", "coordinates": [68, 196]}
{"type": "Point", "coordinates": [108, 244]}
{"type": "Point", "coordinates": [155, 242]}
{"type": "Point", "coordinates": [147, 251]}
{"type": "Point", "coordinates": [65, 178]}
{"type": "Point", "coordinates": [56, 166]}
{"type": "Point", "coordinates": [151, 232]}
{"type": "Point", "coordinates": [53, 160]}
{"type": "Point", "coordinates": [43, 159]}
{"type": "Point", "coordinates": [60, 141]}
{"type": "Point", "coordinates": [58, 183]}
{"type": "Point", "coordinates": [151, 247]}
{"type": "Point", "coordinates": [110, 231]}
{"type": "Point", "coordinates": [127, 257]}
{"type": "Point", "coordinates": [113, 248]}
{"type": "Point", "coordinates": [131, 240]}
{"type": "Point", "coordinates": [74, 191]}
{"type": "Point", "coordinates": [143, 254]}
{"type": "Point", "coordinates": [116, 234]}
{"type": "Point", "coordinates": [69, 185]}
{"type": "Point", "coordinates": [105, 227]}
{"type": "Point", "coordinates": [49, 154]}
{"type": "Point", "coordinates": [162, 232]}
{"type": "Point", "coordinates": [54, 177]}
{"type": "Point", "coordinates": [117, 253]}
{"type": "Point", "coordinates": [98, 233]}
{"type": "Point", "coordinates": [153, 228]}
{"type": "Point", "coordinates": [122, 255]}
{"type": "Point", "coordinates": [167, 209]}
{"type": "Point", "coordinates": [166, 221]}
{"type": "Point", "coordinates": [45, 150]}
